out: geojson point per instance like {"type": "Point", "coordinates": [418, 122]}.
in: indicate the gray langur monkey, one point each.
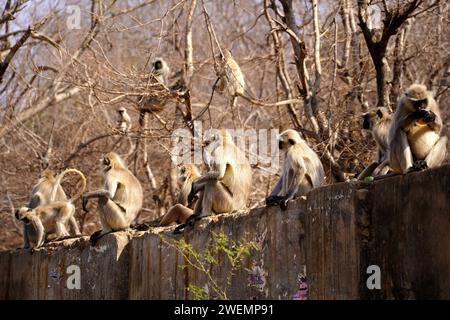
{"type": "Point", "coordinates": [302, 170]}
{"type": "Point", "coordinates": [49, 210]}
{"type": "Point", "coordinates": [159, 81]}
{"type": "Point", "coordinates": [124, 120]}
{"type": "Point", "coordinates": [47, 219]}
{"type": "Point", "coordinates": [119, 201]}
{"type": "Point", "coordinates": [416, 138]}
{"type": "Point", "coordinates": [181, 211]}
{"type": "Point", "coordinates": [378, 122]}
{"type": "Point", "coordinates": [226, 187]}
{"type": "Point", "coordinates": [231, 81]}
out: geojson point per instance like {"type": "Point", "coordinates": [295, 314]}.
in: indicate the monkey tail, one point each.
{"type": "Point", "coordinates": [59, 180]}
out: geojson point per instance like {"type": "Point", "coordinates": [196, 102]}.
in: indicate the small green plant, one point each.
{"type": "Point", "coordinates": [204, 260]}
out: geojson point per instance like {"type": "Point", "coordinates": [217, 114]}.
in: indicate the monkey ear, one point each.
{"type": "Point", "coordinates": [291, 141]}
{"type": "Point", "coordinates": [379, 113]}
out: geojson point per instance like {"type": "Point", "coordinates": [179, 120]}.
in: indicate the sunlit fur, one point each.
{"type": "Point", "coordinates": [378, 122]}
{"type": "Point", "coordinates": [121, 198]}
{"type": "Point", "coordinates": [187, 173]}
{"type": "Point", "coordinates": [413, 139]}
{"type": "Point", "coordinates": [47, 191]}
{"type": "Point", "coordinates": [232, 82]}
{"type": "Point", "coordinates": [48, 219]}
{"type": "Point", "coordinates": [302, 168]}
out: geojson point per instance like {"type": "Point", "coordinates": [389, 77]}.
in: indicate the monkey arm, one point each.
{"type": "Point", "coordinates": [199, 183]}
{"type": "Point", "coordinates": [293, 185]}
{"type": "Point", "coordinates": [98, 194]}
{"type": "Point", "coordinates": [274, 199]}
{"type": "Point", "coordinates": [35, 200]}
{"type": "Point", "coordinates": [276, 190]}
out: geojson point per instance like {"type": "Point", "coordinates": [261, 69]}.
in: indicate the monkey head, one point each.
{"type": "Point", "coordinates": [288, 138]}
{"type": "Point", "coordinates": [24, 214]}
{"type": "Point", "coordinates": [373, 117]}
{"type": "Point", "coordinates": [48, 174]}
{"type": "Point", "coordinates": [417, 97]}
{"type": "Point", "coordinates": [160, 67]}
{"type": "Point", "coordinates": [110, 161]}
{"type": "Point", "coordinates": [183, 172]}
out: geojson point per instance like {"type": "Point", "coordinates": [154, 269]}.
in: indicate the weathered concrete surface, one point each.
{"type": "Point", "coordinates": [42, 274]}
{"type": "Point", "coordinates": [281, 257]}
{"type": "Point", "coordinates": [400, 224]}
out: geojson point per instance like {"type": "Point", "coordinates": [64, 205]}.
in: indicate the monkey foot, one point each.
{"type": "Point", "coordinates": [419, 165]}
{"type": "Point", "coordinates": [284, 204]}
{"type": "Point", "coordinates": [273, 201]}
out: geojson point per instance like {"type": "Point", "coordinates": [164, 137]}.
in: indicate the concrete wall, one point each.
{"type": "Point", "coordinates": [400, 224]}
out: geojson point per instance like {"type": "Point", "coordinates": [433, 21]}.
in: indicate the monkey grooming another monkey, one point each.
{"type": "Point", "coordinates": [378, 122]}
{"type": "Point", "coordinates": [181, 211]}
{"type": "Point", "coordinates": [302, 170]}
{"type": "Point", "coordinates": [47, 191]}
{"type": "Point", "coordinates": [226, 187]}
{"type": "Point", "coordinates": [416, 139]}
{"type": "Point", "coordinates": [47, 219]}
{"type": "Point", "coordinates": [119, 201]}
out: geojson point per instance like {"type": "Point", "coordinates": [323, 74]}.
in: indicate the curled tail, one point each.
{"type": "Point", "coordinates": [59, 180]}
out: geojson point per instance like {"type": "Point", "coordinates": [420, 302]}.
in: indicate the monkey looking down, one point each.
{"type": "Point", "coordinates": [416, 138]}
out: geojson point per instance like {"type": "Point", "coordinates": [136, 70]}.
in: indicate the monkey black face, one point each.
{"type": "Point", "coordinates": [367, 122]}
{"type": "Point", "coordinates": [281, 143]}
{"type": "Point", "coordinates": [158, 65]}
{"type": "Point", "coordinates": [21, 214]}
{"type": "Point", "coordinates": [420, 104]}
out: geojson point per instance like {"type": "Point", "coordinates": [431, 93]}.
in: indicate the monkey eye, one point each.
{"type": "Point", "coordinates": [183, 170]}
{"type": "Point", "coordinates": [292, 142]}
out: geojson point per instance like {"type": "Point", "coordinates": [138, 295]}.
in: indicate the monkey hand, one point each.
{"type": "Point", "coordinates": [84, 203]}
{"type": "Point", "coordinates": [192, 194]}
{"type": "Point", "coordinates": [284, 203]}
{"type": "Point", "coordinates": [273, 200]}
{"type": "Point", "coordinates": [424, 116]}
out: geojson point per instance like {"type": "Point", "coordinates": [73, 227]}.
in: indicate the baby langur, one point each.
{"type": "Point", "coordinates": [180, 212]}
{"type": "Point", "coordinates": [302, 170]}
{"type": "Point", "coordinates": [119, 201]}
{"type": "Point", "coordinates": [124, 121]}
{"type": "Point", "coordinates": [378, 123]}
{"type": "Point", "coordinates": [226, 187]}
{"type": "Point", "coordinates": [50, 215]}
{"type": "Point", "coordinates": [231, 80]}
{"type": "Point", "coordinates": [416, 138]}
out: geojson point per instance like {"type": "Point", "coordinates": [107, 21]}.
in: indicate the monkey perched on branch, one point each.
{"type": "Point", "coordinates": [124, 120]}
{"type": "Point", "coordinates": [159, 82]}
{"type": "Point", "coordinates": [231, 79]}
